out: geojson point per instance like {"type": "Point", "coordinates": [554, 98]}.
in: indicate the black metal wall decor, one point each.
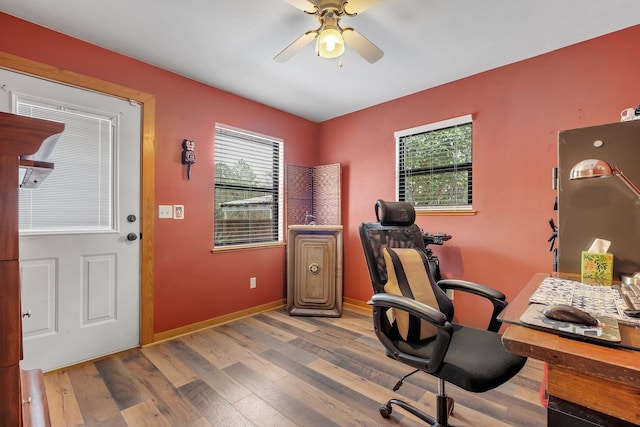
{"type": "Point", "coordinates": [188, 155]}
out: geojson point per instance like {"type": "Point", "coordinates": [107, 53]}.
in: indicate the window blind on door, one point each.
{"type": "Point", "coordinates": [78, 194]}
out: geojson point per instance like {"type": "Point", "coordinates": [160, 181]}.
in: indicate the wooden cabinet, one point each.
{"type": "Point", "coordinates": [18, 136]}
{"type": "Point", "coordinates": [314, 264]}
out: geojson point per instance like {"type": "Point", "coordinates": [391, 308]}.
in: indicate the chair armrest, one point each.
{"type": "Point", "coordinates": [422, 311]}
{"type": "Point", "coordinates": [497, 298]}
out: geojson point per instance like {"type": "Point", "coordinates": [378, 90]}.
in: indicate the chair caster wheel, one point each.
{"type": "Point", "coordinates": [385, 411]}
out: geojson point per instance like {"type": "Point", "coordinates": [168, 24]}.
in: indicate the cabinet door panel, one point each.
{"type": "Point", "coordinates": [314, 279]}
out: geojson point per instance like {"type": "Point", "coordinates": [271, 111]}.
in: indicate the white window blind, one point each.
{"type": "Point", "coordinates": [435, 165]}
{"type": "Point", "coordinates": [247, 188]}
{"type": "Point", "coordinates": [77, 196]}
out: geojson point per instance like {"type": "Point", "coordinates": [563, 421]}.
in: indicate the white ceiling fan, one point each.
{"type": "Point", "coordinates": [330, 36]}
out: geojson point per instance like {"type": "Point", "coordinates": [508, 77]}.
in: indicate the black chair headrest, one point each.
{"type": "Point", "coordinates": [395, 213]}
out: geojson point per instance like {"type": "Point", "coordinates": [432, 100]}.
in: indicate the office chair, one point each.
{"type": "Point", "coordinates": [412, 315]}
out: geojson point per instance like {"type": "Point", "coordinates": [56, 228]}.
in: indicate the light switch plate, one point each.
{"type": "Point", "coordinates": [165, 211]}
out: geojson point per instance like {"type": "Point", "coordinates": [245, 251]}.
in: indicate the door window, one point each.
{"type": "Point", "coordinates": [77, 196]}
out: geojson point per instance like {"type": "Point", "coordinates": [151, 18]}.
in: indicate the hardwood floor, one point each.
{"type": "Point", "coordinates": [272, 370]}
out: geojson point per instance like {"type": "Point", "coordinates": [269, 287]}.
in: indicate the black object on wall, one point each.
{"type": "Point", "coordinates": [601, 207]}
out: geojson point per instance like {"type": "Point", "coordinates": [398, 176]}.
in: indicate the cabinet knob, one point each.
{"type": "Point", "coordinates": [26, 401]}
{"type": "Point", "coordinates": [314, 268]}
{"type": "Point", "coordinates": [26, 314]}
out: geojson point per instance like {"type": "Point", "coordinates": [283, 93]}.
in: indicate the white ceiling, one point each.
{"type": "Point", "coordinates": [230, 44]}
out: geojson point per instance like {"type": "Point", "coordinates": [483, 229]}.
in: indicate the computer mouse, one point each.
{"type": "Point", "coordinates": [567, 313]}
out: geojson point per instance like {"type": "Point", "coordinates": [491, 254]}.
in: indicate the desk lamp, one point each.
{"type": "Point", "coordinates": [595, 168]}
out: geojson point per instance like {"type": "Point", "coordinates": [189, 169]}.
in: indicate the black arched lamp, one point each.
{"type": "Point", "coordinates": [595, 168]}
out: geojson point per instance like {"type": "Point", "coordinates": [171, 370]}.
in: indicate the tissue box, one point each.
{"type": "Point", "coordinates": [597, 266]}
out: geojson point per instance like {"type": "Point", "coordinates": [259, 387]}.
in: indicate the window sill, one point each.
{"type": "Point", "coordinates": [248, 247]}
{"type": "Point", "coordinates": [445, 212]}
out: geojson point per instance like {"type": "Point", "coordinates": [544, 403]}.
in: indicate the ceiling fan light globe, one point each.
{"type": "Point", "coordinates": [330, 43]}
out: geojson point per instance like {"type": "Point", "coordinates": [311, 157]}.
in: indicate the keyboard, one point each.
{"type": "Point", "coordinates": [631, 295]}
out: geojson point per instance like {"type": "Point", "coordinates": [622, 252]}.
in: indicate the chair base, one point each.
{"type": "Point", "coordinates": [444, 408]}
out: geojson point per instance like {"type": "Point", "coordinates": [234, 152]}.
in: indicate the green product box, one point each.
{"type": "Point", "coordinates": [597, 266]}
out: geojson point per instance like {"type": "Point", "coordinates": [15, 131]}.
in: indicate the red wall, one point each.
{"type": "Point", "coordinates": [517, 112]}
{"type": "Point", "coordinates": [190, 283]}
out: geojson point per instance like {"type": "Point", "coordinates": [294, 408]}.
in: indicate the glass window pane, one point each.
{"type": "Point", "coordinates": [435, 166]}
{"type": "Point", "coordinates": [77, 195]}
{"type": "Point", "coordinates": [248, 188]}
{"type": "Point", "coordinates": [445, 189]}
{"type": "Point", "coordinates": [244, 217]}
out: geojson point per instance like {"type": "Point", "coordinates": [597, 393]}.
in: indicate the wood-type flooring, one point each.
{"type": "Point", "coordinates": [272, 369]}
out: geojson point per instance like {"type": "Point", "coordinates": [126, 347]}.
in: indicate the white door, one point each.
{"type": "Point", "coordinates": [79, 230]}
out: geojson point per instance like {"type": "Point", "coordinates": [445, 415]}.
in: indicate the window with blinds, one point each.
{"type": "Point", "coordinates": [247, 188]}
{"type": "Point", "coordinates": [78, 194]}
{"type": "Point", "coordinates": [435, 165]}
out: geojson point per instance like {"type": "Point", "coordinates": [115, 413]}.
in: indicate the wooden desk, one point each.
{"type": "Point", "coordinates": [589, 377]}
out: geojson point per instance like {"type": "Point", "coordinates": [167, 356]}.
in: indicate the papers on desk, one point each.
{"type": "Point", "coordinates": [606, 331]}
{"type": "Point", "coordinates": [598, 300]}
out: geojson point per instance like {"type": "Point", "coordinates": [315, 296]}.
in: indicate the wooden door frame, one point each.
{"type": "Point", "coordinates": [148, 104]}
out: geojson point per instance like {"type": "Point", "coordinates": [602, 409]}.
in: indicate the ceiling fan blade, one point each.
{"type": "Point", "coordinates": [303, 5]}
{"type": "Point", "coordinates": [294, 47]}
{"type": "Point", "coordinates": [359, 6]}
{"type": "Point", "coordinates": [360, 44]}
